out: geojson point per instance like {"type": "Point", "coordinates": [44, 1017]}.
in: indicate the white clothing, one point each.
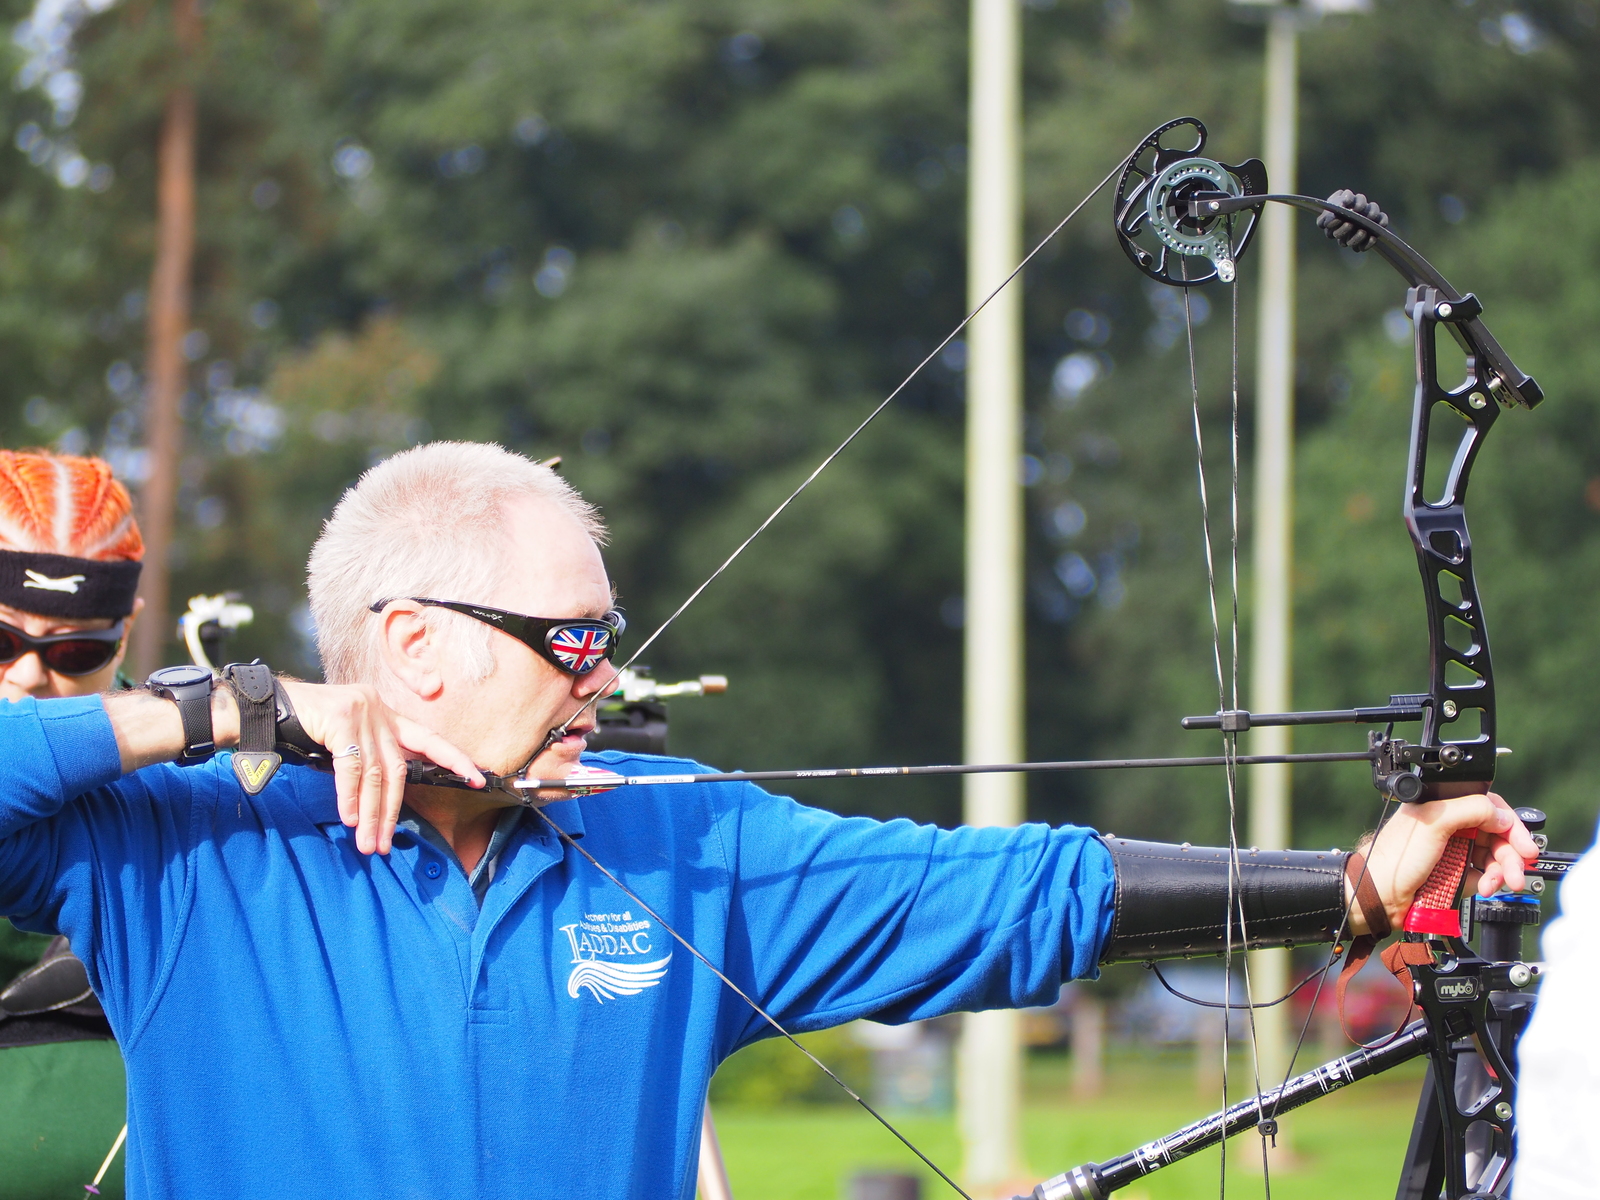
{"type": "Point", "coordinates": [1558, 1102]}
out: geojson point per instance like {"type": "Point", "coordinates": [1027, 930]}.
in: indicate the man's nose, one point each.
{"type": "Point", "coordinates": [602, 679]}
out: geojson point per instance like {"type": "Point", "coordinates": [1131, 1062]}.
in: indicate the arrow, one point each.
{"type": "Point", "coordinates": [586, 780]}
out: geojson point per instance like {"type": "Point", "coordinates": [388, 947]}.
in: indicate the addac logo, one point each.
{"type": "Point", "coordinates": [617, 936]}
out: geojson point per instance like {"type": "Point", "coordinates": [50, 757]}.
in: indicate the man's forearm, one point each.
{"type": "Point", "coordinates": [149, 730]}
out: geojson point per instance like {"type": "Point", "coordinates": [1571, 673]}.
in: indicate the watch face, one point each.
{"type": "Point", "coordinates": [176, 677]}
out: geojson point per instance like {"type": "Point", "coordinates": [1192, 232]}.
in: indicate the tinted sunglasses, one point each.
{"type": "Point", "coordinates": [82, 652]}
{"type": "Point", "coordinates": [574, 647]}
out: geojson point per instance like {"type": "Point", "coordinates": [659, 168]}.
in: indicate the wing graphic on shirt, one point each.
{"type": "Point", "coordinates": [608, 980]}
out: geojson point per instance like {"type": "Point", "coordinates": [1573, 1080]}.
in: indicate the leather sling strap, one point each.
{"type": "Point", "coordinates": [1398, 958]}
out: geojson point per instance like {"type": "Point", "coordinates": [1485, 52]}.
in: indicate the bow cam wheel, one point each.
{"type": "Point", "coordinates": [1155, 221]}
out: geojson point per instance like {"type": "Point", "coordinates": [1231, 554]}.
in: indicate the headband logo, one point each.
{"type": "Point", "coordinates": [67, 583]}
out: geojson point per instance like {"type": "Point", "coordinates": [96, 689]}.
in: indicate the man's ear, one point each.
{"type": "Point", "coordinates": [411, 651]}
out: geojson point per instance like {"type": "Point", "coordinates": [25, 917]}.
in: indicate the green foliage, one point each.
{"type": "Point", "coordinates": [769, 1073]}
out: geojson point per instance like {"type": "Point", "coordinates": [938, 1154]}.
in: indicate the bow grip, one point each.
{"type": "Point", "coordinates": [1435, 908]}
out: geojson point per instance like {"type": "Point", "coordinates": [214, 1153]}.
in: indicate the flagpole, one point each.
{"type": "Point", "coordinates": [989, 1066]}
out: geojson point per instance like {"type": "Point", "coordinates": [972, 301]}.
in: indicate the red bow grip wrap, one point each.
{"type": "Point", "coordinates": [1434, 910]}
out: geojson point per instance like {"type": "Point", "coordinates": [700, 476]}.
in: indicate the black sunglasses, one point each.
{"type": "Point", "coordinates": [82, 652]}
{"type": "Point", "coordinates": [574, 646]}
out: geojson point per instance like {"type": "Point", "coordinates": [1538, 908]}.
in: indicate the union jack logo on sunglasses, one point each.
{"type": "Point", "coordinates": [581, 648]}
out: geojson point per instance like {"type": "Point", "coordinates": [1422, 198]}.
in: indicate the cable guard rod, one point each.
{"type": "Point", "coordinates": [1399, 708]}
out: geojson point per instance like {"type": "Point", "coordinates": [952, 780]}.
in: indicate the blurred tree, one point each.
{"type": "Point", "coordinates": [171, 285]}
{"type": "Point", "coordinates": [687, 245]}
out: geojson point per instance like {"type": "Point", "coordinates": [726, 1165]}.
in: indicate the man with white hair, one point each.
{"type": "Point", "coordinates": [330, 987]}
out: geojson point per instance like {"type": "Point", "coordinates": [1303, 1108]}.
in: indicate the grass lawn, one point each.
{"type": "Point", "coordinates": [1349, 1144]}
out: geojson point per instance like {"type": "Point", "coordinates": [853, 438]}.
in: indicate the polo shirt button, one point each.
{"type": "Point", "coordinates": [433, 870]}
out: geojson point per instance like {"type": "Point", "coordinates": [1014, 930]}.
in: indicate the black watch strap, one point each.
{"type": "Point", "coordinates": [190, 689]}
{"type": "Point", "coordinates": [255, 761]}
{"type": "Point", "coordinates": [198, 743]}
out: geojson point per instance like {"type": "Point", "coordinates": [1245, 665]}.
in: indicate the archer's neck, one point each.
{"type": "Point", "coordinates": [465, 821]}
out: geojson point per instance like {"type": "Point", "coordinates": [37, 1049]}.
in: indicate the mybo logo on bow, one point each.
{"type": "Point", "coordinates": [619, 938]}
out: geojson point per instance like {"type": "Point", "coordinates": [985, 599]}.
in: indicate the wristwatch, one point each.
{"type": "Point", "coordinates": [190, 688]}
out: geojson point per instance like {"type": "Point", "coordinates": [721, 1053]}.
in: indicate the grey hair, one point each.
{"type": "Point", "coordinates": [428, 522]}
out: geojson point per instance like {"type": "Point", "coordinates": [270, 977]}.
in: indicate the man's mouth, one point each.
{"type": "Point", "coordinates": [574, 736]}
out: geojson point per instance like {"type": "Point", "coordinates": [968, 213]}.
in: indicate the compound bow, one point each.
{"type": "Point", "coordinates": [1184, 220]}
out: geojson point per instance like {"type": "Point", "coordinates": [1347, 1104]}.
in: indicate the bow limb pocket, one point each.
{"type": "Point", "coordinates": [1171, 901]}
{"type": "Point", "coordinates": [85, 853]}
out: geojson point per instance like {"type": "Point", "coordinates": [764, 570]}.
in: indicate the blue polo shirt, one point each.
{"type": "Point", "coordinates": [302, 1020]}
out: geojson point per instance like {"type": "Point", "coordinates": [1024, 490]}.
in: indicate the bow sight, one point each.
{"type": "Point", "coordinates": [633, 718]}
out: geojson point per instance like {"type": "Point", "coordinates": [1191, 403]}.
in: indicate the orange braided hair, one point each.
{"type": "Point", "coordinates": [57, 504]}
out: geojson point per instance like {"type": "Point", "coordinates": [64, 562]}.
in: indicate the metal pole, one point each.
{"type": "Point", "coordinates": [1270, 675]}
{"type": "Point", "coordinates": [712, 1180]}
{"type": "Point", "coordinates": [990, 1067]}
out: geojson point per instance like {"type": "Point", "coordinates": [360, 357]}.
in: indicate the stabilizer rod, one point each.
{"type": "Point", "coordinates": [1096, 1181]}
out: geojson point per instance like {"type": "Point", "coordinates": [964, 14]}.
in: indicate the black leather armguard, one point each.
{"type": "Point", "coordinates": [1171, 899]}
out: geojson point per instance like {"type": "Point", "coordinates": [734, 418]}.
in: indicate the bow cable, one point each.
{"type": "Point", "coordinates": [1229, 691]}
{"type": "Point", "coordinates": [1227, 698]}
{"type": "Point", "coordinates": [1266, 1121]}
{"type": "Point", "coordinates": [1233, 830]}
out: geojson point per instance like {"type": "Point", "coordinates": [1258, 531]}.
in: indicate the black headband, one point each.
{"type": "Point", "coordinates": [55, 585]}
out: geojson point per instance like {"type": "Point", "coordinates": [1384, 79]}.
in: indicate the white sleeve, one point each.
{"type": "Point", "coordinates": [1558, 1102]}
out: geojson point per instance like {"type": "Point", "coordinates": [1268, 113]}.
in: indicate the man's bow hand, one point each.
{"type": "Point", "coordinates": [1403, 853]}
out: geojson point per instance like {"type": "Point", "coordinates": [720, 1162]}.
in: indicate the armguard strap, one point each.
{"type": "Point", "coordinates": [1171, 899]}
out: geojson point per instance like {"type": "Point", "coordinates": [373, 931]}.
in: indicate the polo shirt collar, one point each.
{"type": "Point", "coordinates": [566, 814]}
